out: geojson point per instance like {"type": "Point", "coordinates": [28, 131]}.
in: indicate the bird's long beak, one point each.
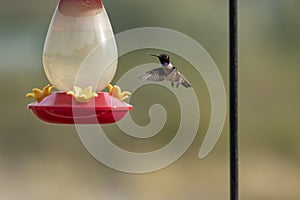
{"type": "Point", "coordinates": [155, 55]}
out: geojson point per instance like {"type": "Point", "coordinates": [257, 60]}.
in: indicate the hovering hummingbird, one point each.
{"type": "Point", "coordinates": [166, 72]}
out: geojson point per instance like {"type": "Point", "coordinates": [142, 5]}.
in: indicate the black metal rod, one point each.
{"type": "Point", "coordinates": [233, 99]}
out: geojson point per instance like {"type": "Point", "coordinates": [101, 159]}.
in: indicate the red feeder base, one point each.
{"type": "Point", "coordinates": [61, 108]}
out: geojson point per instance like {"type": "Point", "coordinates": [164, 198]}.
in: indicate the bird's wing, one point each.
{"type": "Point", "coordinates": [158, 74]}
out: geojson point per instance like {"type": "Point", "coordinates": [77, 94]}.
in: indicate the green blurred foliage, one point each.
{"type": "Point", "coordinates": [42, 161]}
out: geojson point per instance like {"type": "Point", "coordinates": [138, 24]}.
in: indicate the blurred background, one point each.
{"type": "Point", "coordinates": [43, 161]}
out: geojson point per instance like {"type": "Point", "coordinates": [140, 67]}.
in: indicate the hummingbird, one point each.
{"type": "Point", "coordinates": [167, 72]}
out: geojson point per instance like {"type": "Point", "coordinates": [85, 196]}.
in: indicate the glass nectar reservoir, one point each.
{"type": "Point", "coordinates": [80, 30]}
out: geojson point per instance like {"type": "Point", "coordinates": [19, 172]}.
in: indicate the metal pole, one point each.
{"type": "Point", "coordinates": [233, 99]}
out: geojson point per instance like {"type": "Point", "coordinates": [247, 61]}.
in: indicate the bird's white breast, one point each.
{"type": "Point", "coordinates": [170, 66]}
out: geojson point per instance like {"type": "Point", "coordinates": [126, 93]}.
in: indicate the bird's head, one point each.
{"type": "Point", "coordinates": [163, 58]}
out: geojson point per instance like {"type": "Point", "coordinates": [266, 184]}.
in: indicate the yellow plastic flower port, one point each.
{"type": "Point", "coordinates": [83, 96]}
{"type": "Point", "coordinates": [38, 94]}
{"type": "Point", "coordinates": [115, 91]}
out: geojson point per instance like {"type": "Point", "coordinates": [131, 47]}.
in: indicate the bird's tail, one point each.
{"type": "Point", "coordinates": [186, 84]}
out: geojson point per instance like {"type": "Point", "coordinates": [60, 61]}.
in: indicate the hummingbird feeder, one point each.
{"type": "Point", "coordinates": [80, 60]}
